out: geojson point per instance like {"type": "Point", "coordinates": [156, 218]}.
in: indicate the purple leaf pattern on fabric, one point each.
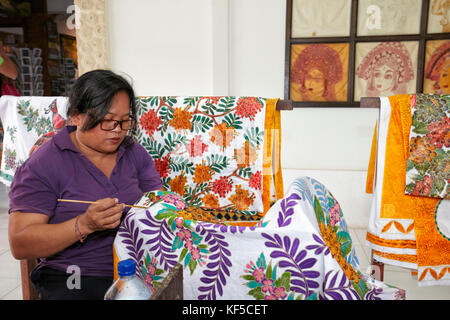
{"type": "Point", "coordinates": [161, 240]}
{"type": "Point", "coordinates": [373, 294]}
{"type": "Point", "coordinates": [296, 262]}
{"type": "Point", "coordinates": [130, 234]}
{"type": "Point", "coordinates": [320, 247]}
{"type": "Point", "coordinates": [337, 287]}
{"type": "Point", "coordinates": [218, 269]}
{"type": "Point", "coordinates": [287, 210]}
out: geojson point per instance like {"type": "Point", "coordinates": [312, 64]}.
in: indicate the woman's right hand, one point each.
{"type": "Point", "coordinates": [102, 215]}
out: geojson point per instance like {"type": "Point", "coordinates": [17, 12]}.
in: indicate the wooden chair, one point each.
{"type": "Point", "coordinates": [171, 288]}
{"type": "Point", "coordinates": [28, 291]}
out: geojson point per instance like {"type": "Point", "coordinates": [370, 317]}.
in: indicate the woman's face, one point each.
{"type": "Point", "coordinates": [315, 83]}
{"type": "Point", "coordinates": [444, 78]}
{"type": "Point", "coordinates": [99, 140]}
{"type": "Point", "coordinates": [383, 78]}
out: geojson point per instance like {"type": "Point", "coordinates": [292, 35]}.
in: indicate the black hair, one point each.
{"type": "Point", "coordinates": [92, 94]}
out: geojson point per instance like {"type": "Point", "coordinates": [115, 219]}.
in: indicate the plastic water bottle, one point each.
{"type": "Point", "coordinates": [128, 286]}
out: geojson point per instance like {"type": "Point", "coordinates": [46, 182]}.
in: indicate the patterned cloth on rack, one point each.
{"type": "Point", "coordinates": [300, 250]}
{"type": "Point", "coordinates": [215, 152]}
{"type": "Point", "coordinates": [402, 228]}
{"type": "Point", "coordinates": [26, 121]}
{"type": "Point", "coordinates": [428, 165]}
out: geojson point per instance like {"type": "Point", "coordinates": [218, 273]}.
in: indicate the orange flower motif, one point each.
{"type": "Point", "coordinates": [421, 150]}
{"type": "Point", "coordinates": [245, 156]}
{"type": "Point", "coordinates": [181, 119]}
{"type": "Point", "coordinates": [202, 173]}
{"type": "Point", "coordinates": [210, 201]}
{"type": "Point", "coordinates": [177, 184]}
{"type": "Point", "coordinates": [222, 135]}
{"type": "Point", "coordinates": [242, 199]}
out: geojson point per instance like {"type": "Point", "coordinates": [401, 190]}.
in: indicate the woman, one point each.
{"type": "Point", "coordinates": [92, 160]}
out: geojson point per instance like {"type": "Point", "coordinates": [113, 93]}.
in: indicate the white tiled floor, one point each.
{"type": "Point", "coordinates": [10, 284]}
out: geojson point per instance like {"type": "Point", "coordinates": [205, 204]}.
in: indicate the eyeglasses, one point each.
{"type": "Point", "coordinates": [109, 125]}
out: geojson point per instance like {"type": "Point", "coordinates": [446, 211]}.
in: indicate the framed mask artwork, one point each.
{"type": "Point", "coordinates": [385, 68]}
{"type": "Point", "coordinates": [341, 50]}
{"type": "Point", "coordinates": [319, 72]}
{"type": "Point", "coordinates": [437, 67]}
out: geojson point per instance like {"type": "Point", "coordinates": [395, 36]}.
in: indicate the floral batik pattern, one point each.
{"type": "Point", "coordinates": [428, 165]}
{"type": "Point", "coordinates": [28, 123]}
{"type": "Point", "coordinates": [208, 150]}
{"type": "Point", "coordinates": [300, 250]}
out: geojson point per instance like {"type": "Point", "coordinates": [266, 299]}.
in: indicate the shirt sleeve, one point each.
{"type": "Point", "coordinates": [149, 178]}
{"type": "Point", "coordinates": [30, 192]}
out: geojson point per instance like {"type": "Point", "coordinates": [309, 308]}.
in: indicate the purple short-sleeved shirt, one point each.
{"type": "Point", "coordinates": [59, 170]}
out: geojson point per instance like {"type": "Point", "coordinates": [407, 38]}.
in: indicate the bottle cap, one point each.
{"type": "Point", "coordinates": [126, 268]}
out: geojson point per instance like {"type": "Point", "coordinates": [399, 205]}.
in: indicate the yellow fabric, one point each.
{"type": "Point", "coordinates": [397, 257]}
{"type": "Point", "coordinates": [268, 149]}
{"type": "Point", "coordinates": [394, 203]}
{"type": "Point", "coordinates": [373, 158]}
{"type": "Point", "coordinates": [278, 176]}
{"type": "Point", "coordinates": [432, 250]}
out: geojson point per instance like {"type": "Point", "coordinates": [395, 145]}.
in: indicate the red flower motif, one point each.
{"type": "Point", "coordinates": [248, 107]}
{"type": "Point", "coordinates": [423, 187]}
{"type": "Point", "coordinates": [256, 181]}
{"type": "Point", "coordinates": [150, 122]}
{"type": "Point", "coordinates": [221, 186]}
{"type": "Point", "coordinates": [162, 165]}
{"type": "Point", "coordinates": [439, 132]}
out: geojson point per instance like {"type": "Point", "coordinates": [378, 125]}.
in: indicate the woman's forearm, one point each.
{"type": "Point", "coordinates": [42, 240]}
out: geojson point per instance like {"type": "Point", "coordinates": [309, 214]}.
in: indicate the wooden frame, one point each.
{"type": "Point", "coordinates": [422, 37]}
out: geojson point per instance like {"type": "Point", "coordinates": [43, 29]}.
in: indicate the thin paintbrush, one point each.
{"type": "Point", "coordinates": [82, 201]}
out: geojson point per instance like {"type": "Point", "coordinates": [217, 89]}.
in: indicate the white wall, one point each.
{"type": "Point", "coordinates": [236, 47]}
{"type": "Point", "coordinates": [164, 45]}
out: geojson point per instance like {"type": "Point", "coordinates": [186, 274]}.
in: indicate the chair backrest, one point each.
{"type": "Point", "coordinates": [28, 291]}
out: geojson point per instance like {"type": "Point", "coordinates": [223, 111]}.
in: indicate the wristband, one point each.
{"type": "Point", "coordinates": [81, 236]}
{"type": "Point", "coordinates": [1, 60]}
